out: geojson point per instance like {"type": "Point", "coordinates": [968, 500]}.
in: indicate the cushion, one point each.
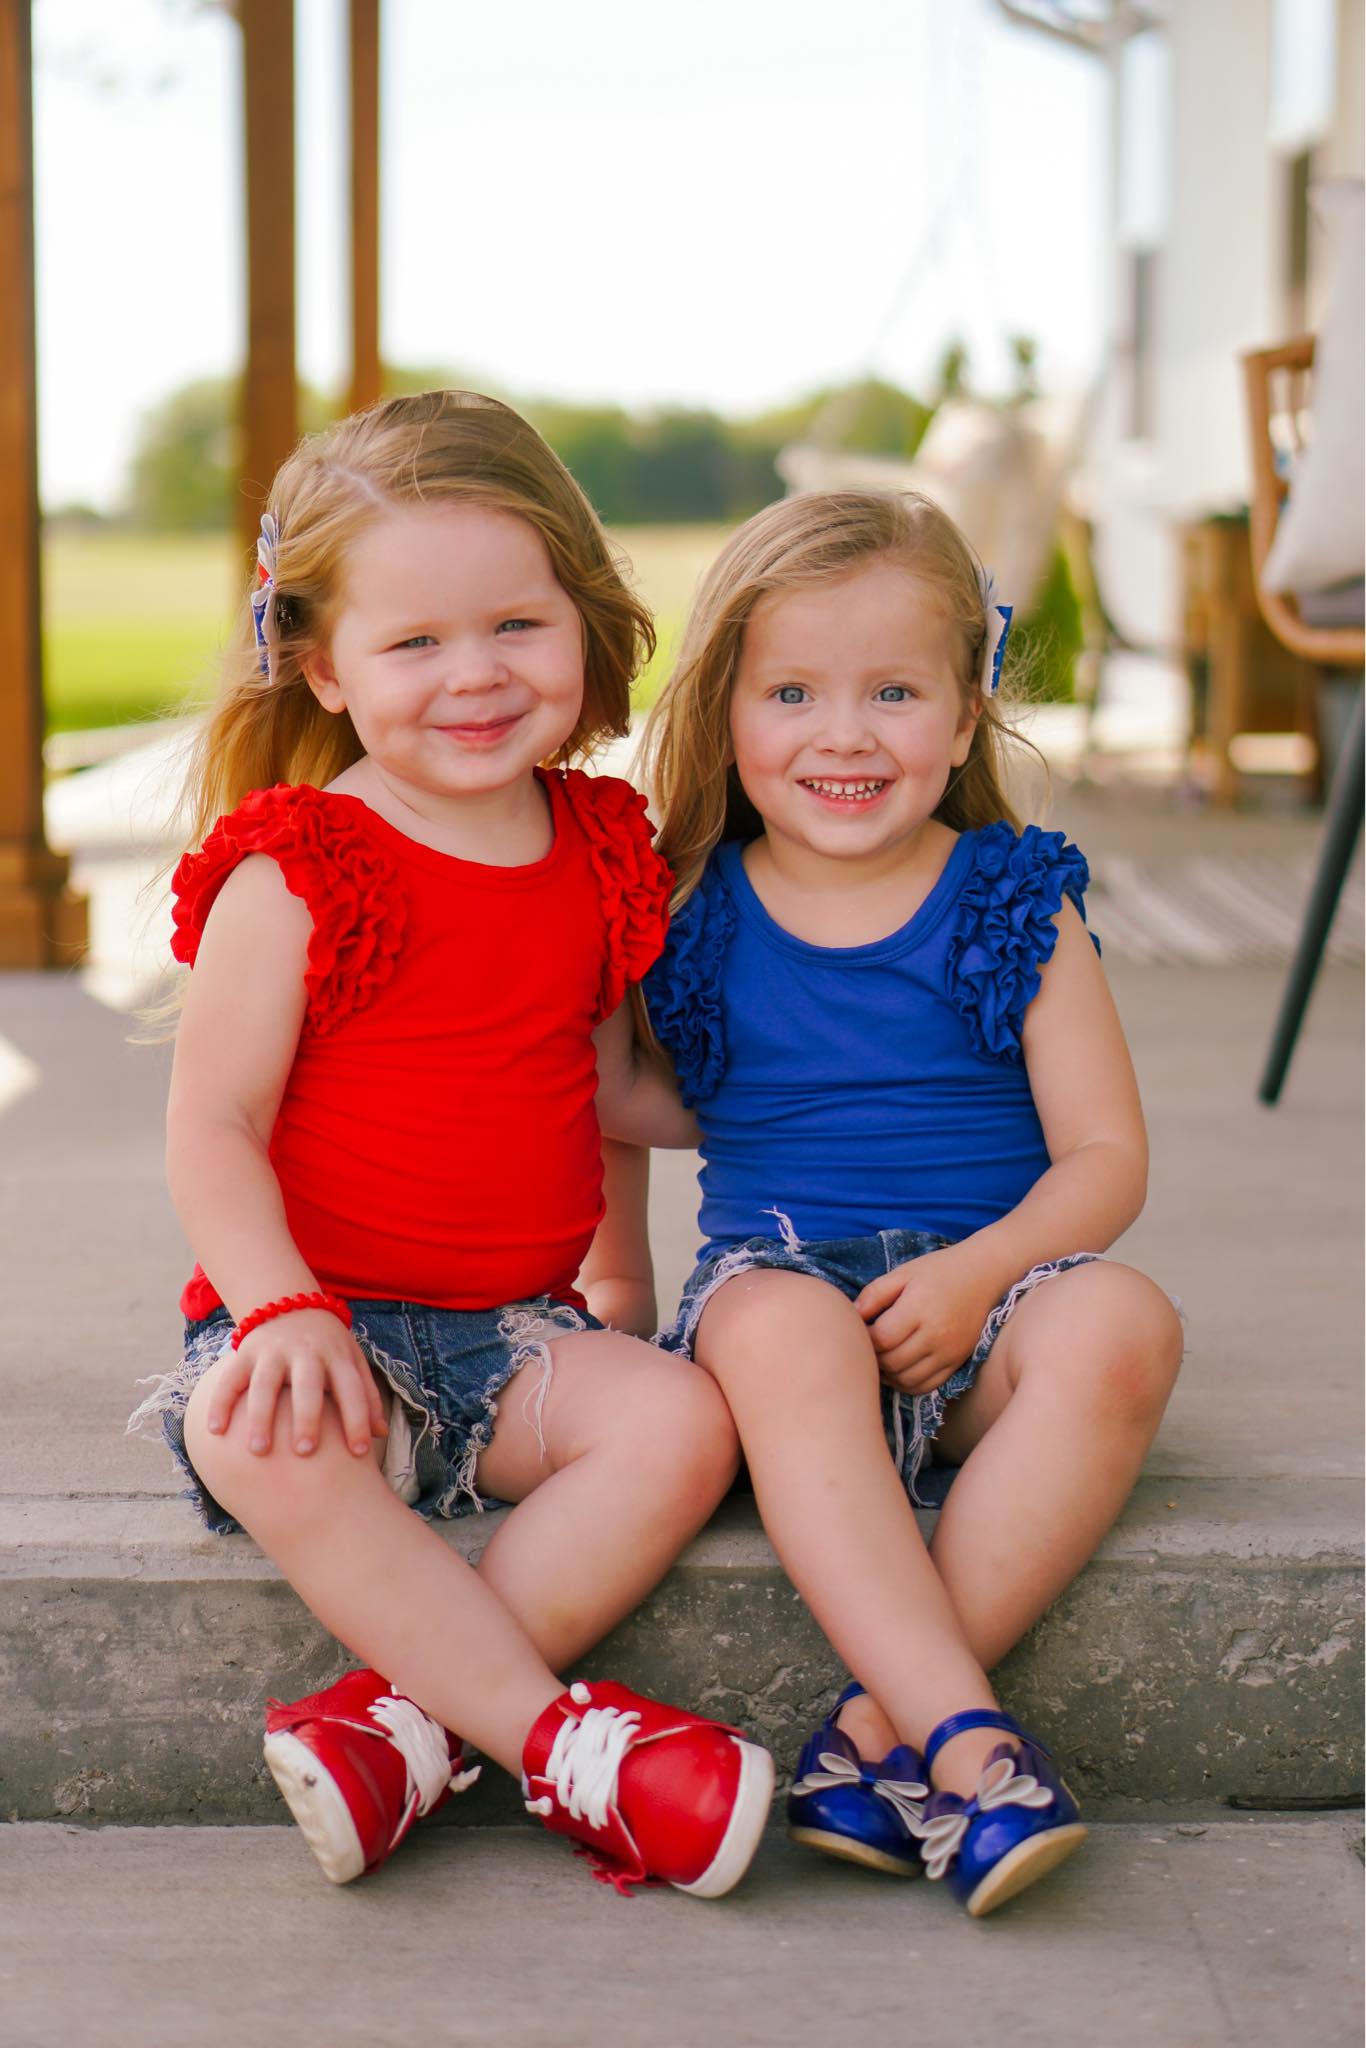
{"type": "Point", "coordinates": [1321, 537]}
{"type": "Point", "coordinates": [1341, 604]}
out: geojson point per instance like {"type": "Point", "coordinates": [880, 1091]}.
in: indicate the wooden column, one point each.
{"type": "Point", "coordinates": [270, 414]}
{"type": "Point", "coordinates": [42, 923]}
{"type": "Point", "coordinates": [365, 357]}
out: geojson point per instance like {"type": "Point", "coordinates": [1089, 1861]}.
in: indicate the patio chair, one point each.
{"type": "Point", "coordinates": [1277, 386]}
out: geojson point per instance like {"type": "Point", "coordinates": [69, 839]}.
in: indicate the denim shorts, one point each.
{"type": "Point", "coordinates": [445, 1368]}
{"type": "Point", "coordinates": [911, 1420]}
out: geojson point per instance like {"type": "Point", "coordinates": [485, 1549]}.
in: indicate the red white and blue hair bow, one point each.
{"type": "Point", "coordinates": [261, 597]}
{"type": "Point", "coordinates": [998, 618]}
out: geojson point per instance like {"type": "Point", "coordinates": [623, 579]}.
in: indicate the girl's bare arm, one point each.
{"type": "Point", "coordinates": [238, 1034]}
{"type": "Point", "coordinates": [1085, 1091]}
{"type": "Point", "coordinates": [638, 1100]}
{"type": "Point", "coordinates": [618, 1278]}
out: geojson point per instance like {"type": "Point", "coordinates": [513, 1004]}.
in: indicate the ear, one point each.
{"type": "Point", "coordinates": [967, 726]}
{"type": "Point", "coordinates": [321, 678]}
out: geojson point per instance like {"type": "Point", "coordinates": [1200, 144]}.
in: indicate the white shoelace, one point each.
{"type": "Point", "coordinates": [423, 1745]}
{"type": "Point", "coordinates": [584, 1760]}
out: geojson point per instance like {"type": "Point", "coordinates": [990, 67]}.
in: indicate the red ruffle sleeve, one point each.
{"type": "Point", "coordinates": [635, 882]}
{"type": "Point", "coordinates": [350, 887]}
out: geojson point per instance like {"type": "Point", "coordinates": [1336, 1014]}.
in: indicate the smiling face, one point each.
{"type": "Point", "coordinates": [847, 716]}
{"type": "Point", "coordinates": [457, 653]}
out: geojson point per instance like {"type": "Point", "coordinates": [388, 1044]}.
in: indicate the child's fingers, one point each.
{"type": "Point", "coordinates": [906, 1364]}
{"type": "Point", "coordinates": [306, 1403]}
{"type": "Point", "coordinates": [379, 1420]}
{"type": "Point", "coordinates": [895, 1326]}
{"type": "Point", "coordinates": [349, 1379]}
{"type": "Point", "coordinates": [878, 1293]}
{"type": "Point", "coordinates": [230, 1383]}
{"type": "Point", "coordinates": [266, 1381]}
{"type": "Point", "coordinates": [922, 1375]}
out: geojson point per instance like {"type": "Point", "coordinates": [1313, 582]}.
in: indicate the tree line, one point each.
{"type": "Point", "coordinates": [669, 464]}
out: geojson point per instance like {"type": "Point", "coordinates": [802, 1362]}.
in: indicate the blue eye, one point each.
{"type": "Point", "coordinates": [790, 693]}
{"type": "Point", "coordinates": [418, 640]}
{"type": "Point", "coordinates": [893, 693]}
{"type": "Point", "coordinates": [515, 625]}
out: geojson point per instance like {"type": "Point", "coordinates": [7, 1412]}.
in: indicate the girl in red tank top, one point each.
{"type": "Point", "coordinates": [412, 924]}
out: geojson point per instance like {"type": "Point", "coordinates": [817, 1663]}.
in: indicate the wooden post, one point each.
{"type": "Point", "coordinates": [42, 923]}
{"type": "Point", "coordinates": [365, 356]}
{"type": "Point", "coordinates": [270, 414]}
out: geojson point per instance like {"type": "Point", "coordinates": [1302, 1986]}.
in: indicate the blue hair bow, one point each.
{"type": "Point", "coordinates": [265, 587]}
{"type": "Point", "coordinates": [999, 617]}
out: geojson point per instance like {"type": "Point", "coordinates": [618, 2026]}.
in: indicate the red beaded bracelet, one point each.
{"type": "Point", "coordinates": [331, 1302]}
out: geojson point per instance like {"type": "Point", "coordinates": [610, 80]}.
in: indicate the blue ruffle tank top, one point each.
{"type": "Point", "coordinates": [863, 1088]}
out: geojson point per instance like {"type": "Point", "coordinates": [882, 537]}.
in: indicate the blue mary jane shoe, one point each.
{"type": "Point", "coordinates": [862, 1812]}
{"type": "Point", "coordinates": [1020, 1823]}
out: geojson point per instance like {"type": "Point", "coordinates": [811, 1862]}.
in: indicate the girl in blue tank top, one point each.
{"type": "Point", "coordinates": [920, 1130]}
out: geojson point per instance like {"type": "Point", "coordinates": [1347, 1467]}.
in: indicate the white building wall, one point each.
{"type": "Point", "coordinates": [1214, 294]}
{"type": "Point", "coordinates": [1343, 152]}
{"type": "Point", "coordinates": [1219, 291]}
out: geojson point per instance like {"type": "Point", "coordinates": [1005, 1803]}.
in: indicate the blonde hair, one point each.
{"type": "Point", "coordinates": [433, 448]}
{"type": "Point", "coordinates": [815, 537]}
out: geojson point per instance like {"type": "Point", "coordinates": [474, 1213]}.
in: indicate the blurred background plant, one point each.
{"type": "Point", "coordinates": [138, 603]}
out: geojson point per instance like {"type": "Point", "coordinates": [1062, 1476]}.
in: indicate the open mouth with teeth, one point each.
{"type": "Point", "coordinates": [861, 792]}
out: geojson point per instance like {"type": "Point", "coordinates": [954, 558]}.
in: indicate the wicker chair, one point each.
{"type": "Point", "coordinates": [1278, 391]}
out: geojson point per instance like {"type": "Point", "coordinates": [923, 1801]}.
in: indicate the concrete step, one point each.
{"type": "Point", "coordinates": [1243, 1933]}
{"type": "Point", "coordinates": [1210, 1653]}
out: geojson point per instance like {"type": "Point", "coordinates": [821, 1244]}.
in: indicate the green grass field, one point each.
{"type": "Point", "coordinates": [134, 624]}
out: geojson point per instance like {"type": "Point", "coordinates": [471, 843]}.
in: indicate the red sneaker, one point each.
{"type": "Point", "coordinates": [357, 1765]}
{"type": "Point", "coordinates": [652, 1791]}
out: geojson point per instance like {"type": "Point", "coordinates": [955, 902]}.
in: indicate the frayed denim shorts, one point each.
{"type": "Point", "coordinates": [444, 1367]}
{"type": "Point", "coordinates": [912, 1421]}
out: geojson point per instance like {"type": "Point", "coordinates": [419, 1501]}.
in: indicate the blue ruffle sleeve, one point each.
{"type": "Point", "coordinates": [683, 988]}
{"type": "Point", "coordinates": [1005, 931]}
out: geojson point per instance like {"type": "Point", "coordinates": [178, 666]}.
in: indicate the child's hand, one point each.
{"type": "Point", "coordinates": [313, 1354]}
{"type": "Point", "coordinates": [925, 1317]}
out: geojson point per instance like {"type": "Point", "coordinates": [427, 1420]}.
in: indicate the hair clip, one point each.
{"type": "Point", "coordinates": [265, 587]}
{"type": "Point", "coordinates": [998, 618]}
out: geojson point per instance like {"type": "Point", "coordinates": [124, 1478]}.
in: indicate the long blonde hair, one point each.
{"type": "Point", "coordinates": [431, 448]}
{"type": "Point", "coordinates": [812, 538]}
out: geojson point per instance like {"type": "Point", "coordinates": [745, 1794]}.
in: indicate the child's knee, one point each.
{"type": "Point", "coordinates": [784, 1328]}
{"type": "Point", "coordinates": [691, 1430]}
{"type": "Point", "coordinates": [710, 1434]}
{"type": "Point", "coordinates": [253, 1486]}
{"type": "Point", "coordinates": [1136, 1353]}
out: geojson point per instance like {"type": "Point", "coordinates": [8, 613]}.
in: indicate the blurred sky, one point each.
{"type": "Point", "coordinates": [719, 202]}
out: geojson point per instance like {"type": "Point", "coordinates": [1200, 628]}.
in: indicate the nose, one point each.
{"type": "Point", "coordinates": [473, 665]}
{"type": "Point", "coordinates": [844, 729]}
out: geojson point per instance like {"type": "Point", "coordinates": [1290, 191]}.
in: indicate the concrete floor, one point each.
{"type": "Point", "coordinates": [1227, 1935]}
{"type": "Point", "coordinates": [1240, 1934]}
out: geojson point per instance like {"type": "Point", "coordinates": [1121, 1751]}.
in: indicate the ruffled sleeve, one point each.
{"type": "Point", "coordinates": [1005, 932]}
{"type": "Point", "coordinates": [351, 889]}
{"type": "Point", "coordinates": [633, 880]}
{"type": "Point", "coordinates": [683, 989]}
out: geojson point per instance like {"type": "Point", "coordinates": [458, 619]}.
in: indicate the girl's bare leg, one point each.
{"type": "Point", "coordinates": [1051, 1439]}
{"type": "Point", "coordinates": [638, 1449]}
{"type": "Point", "coordinates": [378, 1577]}
{"type": "Point", "coordinates": [798, 1370]}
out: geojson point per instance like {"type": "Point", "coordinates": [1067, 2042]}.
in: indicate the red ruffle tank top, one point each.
{"type": "Point", "coordinates": [437, 1139]}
